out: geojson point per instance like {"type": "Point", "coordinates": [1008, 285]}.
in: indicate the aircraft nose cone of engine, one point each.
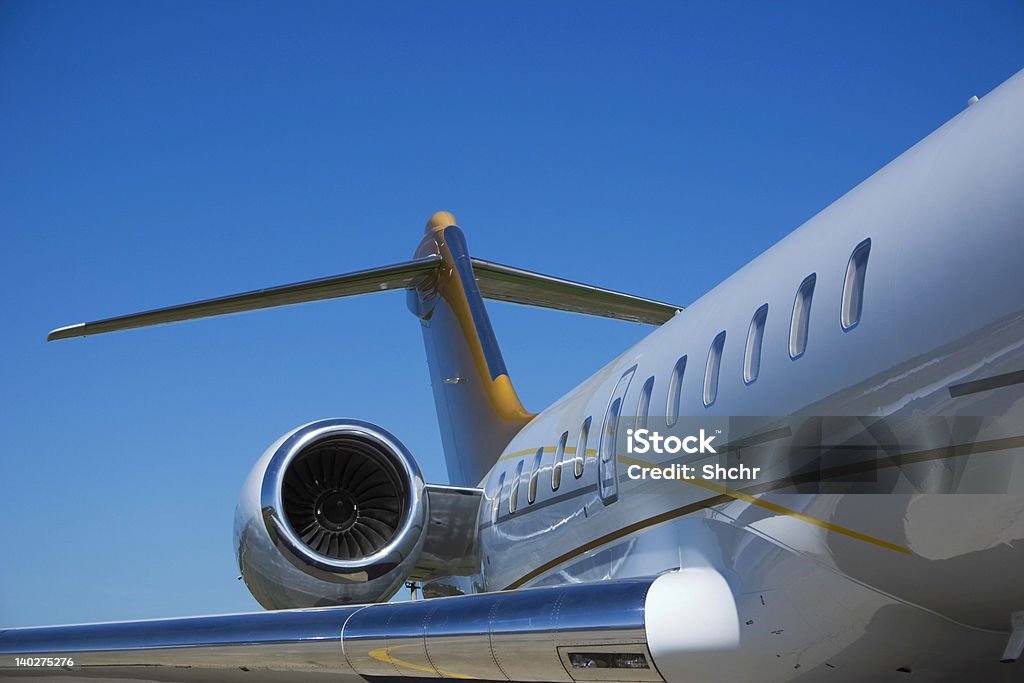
{"type": "Point", "coordinates": [337, 510]}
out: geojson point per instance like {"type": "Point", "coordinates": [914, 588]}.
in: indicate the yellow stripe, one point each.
{"type": "Point", "coordinates": [569, 450]}
{"type": "Point", "coordinates": [383, 654]}
{"type": "Point", "coordinates": [616, 535]}
{"type": "Point", "coordinates": [782, 510]}
{"type": "Point", "coordinates": [738, 495]}
{"type": "Point", "coordinates": [991, 446]}
{"type": "Point", "coordinates": [500, 392]}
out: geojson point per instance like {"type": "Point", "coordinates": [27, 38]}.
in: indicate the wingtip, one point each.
{"type": "Point", "coordinates": [66, 332]}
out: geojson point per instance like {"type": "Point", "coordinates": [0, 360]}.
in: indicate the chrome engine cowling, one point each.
{"type": "Point", "coordinates": [333, 513]}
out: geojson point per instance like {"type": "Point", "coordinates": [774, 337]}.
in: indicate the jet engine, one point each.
{"type": "Point", "coordinates": [334, 512]}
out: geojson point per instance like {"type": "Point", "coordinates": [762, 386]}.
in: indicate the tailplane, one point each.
{"type": "Point", "coordinates": [477, 406]}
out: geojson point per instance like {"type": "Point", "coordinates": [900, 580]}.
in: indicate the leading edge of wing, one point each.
{"type": "Point", "coordinates": [362, 641]}
{"type": "Point", "coordinates": [395, 276]}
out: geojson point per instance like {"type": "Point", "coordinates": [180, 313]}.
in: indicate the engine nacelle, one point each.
{"type": "Point", "coordinates": [335, 512]}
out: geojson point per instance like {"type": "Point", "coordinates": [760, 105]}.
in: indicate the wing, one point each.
{"type": "Point", "coordinates": [581, 632]}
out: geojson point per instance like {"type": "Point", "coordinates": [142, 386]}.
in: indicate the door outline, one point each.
{"type": "Point", "coordinates": [607, 456]}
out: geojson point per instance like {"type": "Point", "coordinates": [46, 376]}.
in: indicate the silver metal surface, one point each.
{"type": "Point", "coordinates": [496, 636]}
{"type": "Point", "coordinates": [520, 636]}
{"type": "Point", "coordinates": [261, 645]}
{"type": "Point", "coordinates": [452, 544]}
{"type": "Point", "coordinates": [283, 572]}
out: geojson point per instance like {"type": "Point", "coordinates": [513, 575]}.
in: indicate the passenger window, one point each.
{"type": "Point", "coordinates": [853, 286]}
{"type": "Point", "coordinates": [675, 390]}
{"type": "Point", "coordinates": [801, 321]}
{"type": "Point", "coordinates": [513, 494]}
{"type": "Point", "coordinates": [497, 498]}
{"type": "Point", "coordinates": [752, 354]}
{"type": "Point", "coordinates": [711, 370]}
{"type": "Point", "coordinates": [556, 468]}
{"type": "Point", "coordinates": [581, 448]}
{"type": "Point", "coordinates": [534, 474]}
{"type": "Point", "coordinates": [643, 405]}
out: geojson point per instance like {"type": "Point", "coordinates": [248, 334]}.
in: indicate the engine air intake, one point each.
{"type": "Point", "coordinates": [343, 497]}
{"type": "Point", "coordinates": [333, 513]}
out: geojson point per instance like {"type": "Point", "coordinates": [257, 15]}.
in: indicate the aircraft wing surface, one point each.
{"type": "Point", "coordinates": [579, 632]}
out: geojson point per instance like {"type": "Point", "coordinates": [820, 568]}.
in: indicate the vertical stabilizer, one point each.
{"type": "Point", "coordinates": [478, 409]}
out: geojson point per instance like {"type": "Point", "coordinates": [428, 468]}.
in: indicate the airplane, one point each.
{"type": "Point", "coordinates": [542, 559]}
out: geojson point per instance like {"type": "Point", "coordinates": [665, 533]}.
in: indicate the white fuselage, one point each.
{"type": "Point", "coordinates": [920, 581]}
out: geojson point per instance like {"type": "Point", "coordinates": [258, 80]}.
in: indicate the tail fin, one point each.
{"type": "Point", "coordinates": [478, 409]}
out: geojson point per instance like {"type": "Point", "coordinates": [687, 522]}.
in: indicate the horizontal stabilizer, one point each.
{"type": "Point", "coordinates": [397, 276]}
{"type": "Point", "coordinates": [517, 286]}
{"type": "Point", "coordinates": [496, 281]}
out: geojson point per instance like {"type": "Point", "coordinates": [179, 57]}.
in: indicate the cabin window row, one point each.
{"type": "Point", "coordinates": [577, 462]}
{"type": "Point", "coordinates": [851, 309]}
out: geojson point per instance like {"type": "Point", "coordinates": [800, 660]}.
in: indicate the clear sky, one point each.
{"type": "Point", "coordinates": [156, 153]}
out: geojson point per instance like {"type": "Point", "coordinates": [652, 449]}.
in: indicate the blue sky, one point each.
{"type": "Point", "coordinates": [156, 153]}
